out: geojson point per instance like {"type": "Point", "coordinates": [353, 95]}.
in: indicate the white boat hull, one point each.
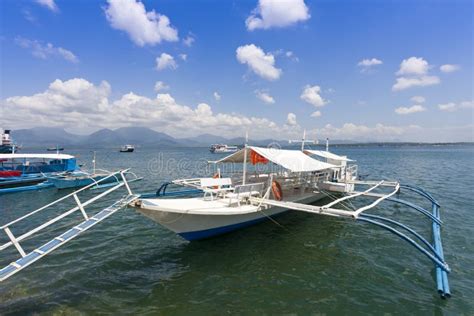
{"type": "Point", "coordinates": [201, 226]}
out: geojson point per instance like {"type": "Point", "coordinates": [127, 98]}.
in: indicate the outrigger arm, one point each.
{"type": "Point", "coordinates": [28, 258]}
{"type": "Point", "coordinates": [433, 252]}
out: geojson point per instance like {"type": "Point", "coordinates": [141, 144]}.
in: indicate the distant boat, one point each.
{"type": "Point", "coordinates": [55, 149]}
{"type": "Point", "coordinates": [6, 143]}
{"type": "Point", "coordinates": [127, 149]}
{"type": "Point", "coordinates": [222, 148]}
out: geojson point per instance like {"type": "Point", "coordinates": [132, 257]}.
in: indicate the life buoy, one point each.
{"type": "Point", "coordinates": [276, 190]}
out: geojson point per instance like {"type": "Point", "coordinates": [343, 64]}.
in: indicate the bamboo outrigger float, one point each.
{"type": "Point", "coordinates": [206, 207]}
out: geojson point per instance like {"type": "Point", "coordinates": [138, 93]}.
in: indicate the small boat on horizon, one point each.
{"type": "Point", "coordinates": [127, 149]}
{"type": "Point", "coordinates": [57, 148]}
{"type": "Point", "coordinates": [223, 148]}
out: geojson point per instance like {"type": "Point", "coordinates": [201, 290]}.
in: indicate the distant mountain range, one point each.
{"type": "Point", "coordinates": [140, 136]}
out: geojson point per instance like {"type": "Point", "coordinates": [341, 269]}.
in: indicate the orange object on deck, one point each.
{"type": "Point", "coordinates": [256, 158]}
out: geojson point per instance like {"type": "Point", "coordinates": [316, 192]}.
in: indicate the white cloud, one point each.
{"type": "Point", "coordinates": [45, 51]}
{"type": "Point", "coordinates": [183, 57]}
{"type": "Point", "coordinates": [403, 83]}
{"type": "Point", "coordinates": [160, 86]}
{"type": "Point", "coordinates": [413, 72]}
{"type": "Point", "coordinates": [79, 104]}
{"type": "Point", "coordinates": [277, 13]}
{"type": "Point", "coordinates": [188, 41]}
{"type": "Point", "coordinates": [448, 107]}
{"type": "Point", "coordinates": [29, 16]}
{"type": "Point", "coordinates": [165, 61]}
{"type": "Point", "coordinates": [361, 133]}
{"type": "Point", "coordinates": [410, 110]}
{"type": "Point", "coordinates": [264, 96]}
{"type": "Point", "coordinates": [292, 56]}
{"type": "Point", "coordinates": [143, 28]}
{"type": "Point", "coordinates": [316, 114]}
{"type": "Point", "coordinates": [311, 94]}
{"type": "Point", "coordinates": [467, 105]}
{"type": "Point", "coordinates": [449, 68]}
{"type": "Point", "coordinates": [260, 63]}
{"type": "Point", "coordinates": [418, 99]}
{"type": "Point", "coordinates": [217, 96]}
{"type": "Point", "coordinates": [451, 106]}
{"type": "Point", "coordinates": [382, 132]}
{"type": "Point", "coordinates": [291, 119]}
{"type": "Point", "coordinates": [367, 64]}
{"type": "Point", "coordinates": [413, 66]}
{"type": "Point", "coordinates": [50, 4]}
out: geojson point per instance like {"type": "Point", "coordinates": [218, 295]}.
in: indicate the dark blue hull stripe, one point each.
{"type": "Point", "coordinates": [207, 233]}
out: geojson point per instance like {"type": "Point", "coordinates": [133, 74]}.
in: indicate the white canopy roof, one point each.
{"type": "Point", "coordinates": [327, 154]}
{"type": "Point", "coordinates": [37, 156]}
{"type": "Point", "coordinates": [293, 160]}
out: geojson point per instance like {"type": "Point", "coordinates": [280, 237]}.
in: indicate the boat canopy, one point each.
{"type": "Point", "coordinates": [292, 160]}
{"type": "Point", "coordinates": [35, 156]}
{"type": "Point", "coordinates": [327, 155]}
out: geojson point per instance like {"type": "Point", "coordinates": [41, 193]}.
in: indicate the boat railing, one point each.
{"type": "Point", "coordinates": [350, 172]}
{"type": "Point", "coordinates": [89, 221]}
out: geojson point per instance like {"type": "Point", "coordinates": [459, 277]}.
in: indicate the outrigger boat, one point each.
{"type": "Point", "coordinates": [27, 172]}
{"type": "Point", "coordinates": [82, 178]}
{"type": "Point", "coordinates": [207, 207]}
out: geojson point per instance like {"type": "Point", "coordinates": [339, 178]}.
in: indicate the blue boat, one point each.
{"type": "Point", "coordinates": [32, 170]}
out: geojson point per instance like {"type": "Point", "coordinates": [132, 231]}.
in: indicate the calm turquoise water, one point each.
{"type": "Point", "coordinates": [308, 265]}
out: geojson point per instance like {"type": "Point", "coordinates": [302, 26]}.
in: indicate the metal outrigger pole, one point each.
{"type": "Point", "coordinates": [434, 251]}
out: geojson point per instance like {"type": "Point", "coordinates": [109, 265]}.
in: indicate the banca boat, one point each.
{"type": "Point", "coordinates": [207, 207]}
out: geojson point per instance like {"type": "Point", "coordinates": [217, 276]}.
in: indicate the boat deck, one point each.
{"type": "Point", "coordinates": [198, 205]}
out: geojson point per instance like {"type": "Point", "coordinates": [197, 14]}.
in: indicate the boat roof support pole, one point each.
{"type": "Point", "coordinates": [245, 157]}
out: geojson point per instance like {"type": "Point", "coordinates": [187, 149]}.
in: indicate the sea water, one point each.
{"type": "Point", "coordinates": [303, 264]}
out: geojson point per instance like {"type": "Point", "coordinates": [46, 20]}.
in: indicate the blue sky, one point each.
{"type": "Point", "coordinates": [85, 65]}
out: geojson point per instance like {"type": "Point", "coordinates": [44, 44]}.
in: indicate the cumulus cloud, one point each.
{"type": "Point", "coordinates": [414, 73]}
{"type": "Point", "coordinates": [410, 110]}
{"type": "Point", "coordinates": [217, 96]}
{"type": "Point", "coordinates": [261, 63]}
{"type": "Point", "coordinates": [451, 106]}
{"type": "Point", "coordinates": [277, 13]}
{"type": "Point", "coordinates": [418, 99]}
{"type": "Point", "coordinates": [367, 64]}
{"type": "Point", "coordinates": [84, 105]}
{"type": "Point", "coordinates": [50, 4]}
{"type": "Point", "coordinates": [45, 51]}
{"type": "Point", "coordinates": [160, 86]}
{"type": "Point", "coordinates": [291, 119]}
{"type": "Point", "coordinates": [143, 28]}
{"type": "Point", "coordinates": [316, 114]}
{"type": "Point", "coordinates": [379, 132]}
{"type": "Point", "coordinates": [183, 57]}
{"type": "Point", "coordinates": [413, 66]}
{"type": "Point", "coordinates": [449, 68]}
{"type": "Point", "coordinates": [264, 96]}
{"type": "Point", "coordinates": [165, 61]}
{"type": "Point", "coordinates": [312, 95]}
{"type": "Point", "coordinates": [403, 83]}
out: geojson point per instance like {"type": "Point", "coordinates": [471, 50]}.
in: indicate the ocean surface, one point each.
{"type": "Point", "coordinates": [308, 264]}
